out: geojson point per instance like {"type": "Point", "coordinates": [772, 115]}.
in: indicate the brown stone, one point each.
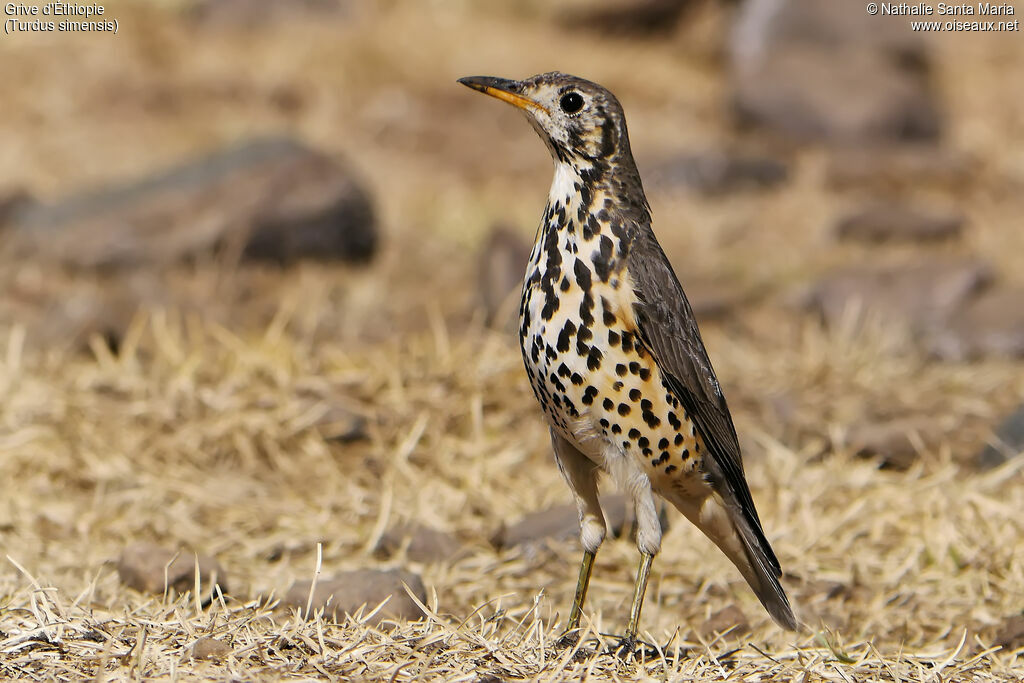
{"type": "Point", "coordinates": [895, 441]}
{"type": "Point", "coordinates": [815, 71]}
{"type": "Point", "coordinates": [249, 13]}
{"type": "Point", "coordinates": [269, 200]}
{"type": "Point", "coordinates": [345, 593]}
{"type": "Point", "coordinates": [500, 269]}
{"type": "Point", "coordinates": [919, 295]}
{"type": "Point", "coordinates": [636, 18]}
{"type": "Point", "coordinates": [1010, 635]}
{"type": "Point", "coordinates": [210, 648]}
{"type": "Point", "coordinates": [150, 568]}
{"type": "Point", "coordinates": [717, 173]}
{"type": "Point", "coordinates": [1008, 441]}
{"type": "Point", "coordinates": [991, 324]}
{"type": "Point", "coordinates": [420, 542]}
{"type": "Point", "coordinates": [562, 523]}
{"type": "Point", "coordinates": [895, 222]}
{"type": "Point", "coordinates": [731, 619]}
{"type": "Point", "coordinates": [899, 168]}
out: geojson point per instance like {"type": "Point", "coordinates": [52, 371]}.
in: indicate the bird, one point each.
{"type": "Point", "coordinates": [614, 355]}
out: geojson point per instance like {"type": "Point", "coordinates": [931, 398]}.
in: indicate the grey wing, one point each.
{"type": "Point", "coordinates": [669, 329]}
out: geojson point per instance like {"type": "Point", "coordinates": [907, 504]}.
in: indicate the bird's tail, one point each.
{"type": "Point", "coordinates": [748, 549]}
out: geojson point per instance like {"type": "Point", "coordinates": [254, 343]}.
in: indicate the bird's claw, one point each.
{"type": "Point", "coordinates": [628, 647]}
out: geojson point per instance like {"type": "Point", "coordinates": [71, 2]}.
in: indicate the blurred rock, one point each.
{"type": "Point", "coordinates": [717, 173]}
{"type": "Point", "coordinates": [269, 200]}
{"type": "Point", "coordinates": [11, 201]}
{"type": "Point", "coordinates": [990, 325]}
{"type": "Point", "coordinates": [894, 441]}
{"type": "Point", "coordinates": [712, 299]}
{"type": "Point", "coordinates": [210, 648]}
{"type": "Point", "coordinates": [422, 543]}
{"type": "Point", "coordinates": [829, 71]}
{"type": "Point", "coordinates": [886, 169]}
{"type": "Point", "coordinates": [894, 222]}
{"type": "Point", "coordinates": [731, 619]}
{"type": "Point", "coordinates": [249, 13]}
{"type": "Point", "coordinates": [340, 425]}
{"type": "Point", "coordinates": [1008, 442]}
{"type": "Point", "coordinates": [150, 568]}
{"type": "Point", "coordinates": [500, 271]}
{"type": "Point", "coordinates": [631, 18]}
{"type": "Point", "coordinates": [345, 593]}
{"type": "Point", "coordinates": [919, 295]}
{"type": "Point", "coordinates": [562, 523]}
{"type": "Point", "coordinates": [1010, 635]}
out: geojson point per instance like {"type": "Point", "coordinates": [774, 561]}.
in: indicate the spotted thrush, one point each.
{"type": "Point", "coordinates": [613, 353]}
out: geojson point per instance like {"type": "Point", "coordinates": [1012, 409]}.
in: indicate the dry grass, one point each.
{"type": "Point", "coordinates": [193, 435]}
{"type": "Point", "coordinates": [203, 433]}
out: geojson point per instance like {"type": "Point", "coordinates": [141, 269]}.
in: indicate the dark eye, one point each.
{"type": "Point", "coordinates": [571, 102]}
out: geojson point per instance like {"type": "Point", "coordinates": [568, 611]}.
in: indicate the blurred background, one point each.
{"type": "Point", "coordinates": [840, 195]}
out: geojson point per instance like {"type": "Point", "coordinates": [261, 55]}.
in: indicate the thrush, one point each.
{"type": "Point", "coordinates": [613, 353]}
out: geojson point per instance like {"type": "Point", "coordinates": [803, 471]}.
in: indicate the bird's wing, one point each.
{"type": "Point", "coordinates": [668, 327]}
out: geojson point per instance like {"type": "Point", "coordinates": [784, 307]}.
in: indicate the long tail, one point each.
{"type": "Point", "coordinates": [748, 549]}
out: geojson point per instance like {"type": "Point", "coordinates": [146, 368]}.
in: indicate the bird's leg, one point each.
{"type": "Point", "coordinates": [581, 475]}
{"type": "Point", "coordinates": [648, 541]}
{"type": "Point", "coordinates": [581, 591]}
{"type": "Point", "coordinates": [639, 590]}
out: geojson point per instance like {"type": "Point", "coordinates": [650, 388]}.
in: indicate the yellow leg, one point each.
{"type": "Point", "coordinates": [581, 591]}
{"type": "Point", "coordinates": [639, 589]}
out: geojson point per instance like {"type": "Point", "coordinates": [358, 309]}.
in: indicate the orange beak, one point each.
{"type": "Point", "coordinates": [503, 89]}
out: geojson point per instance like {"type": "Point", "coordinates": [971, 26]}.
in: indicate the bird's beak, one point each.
{"type": "Point", "coordinates": [503, 89]}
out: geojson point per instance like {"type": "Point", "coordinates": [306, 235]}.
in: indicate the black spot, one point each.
{"type": "Point", "coordinates": [624, 409]}
{"type": "Point", "coordinates": [582, 349]}
{"type": "Point", "coordinates": [634, 394]}
{"type": "Point", "coordinates": [582, 275]}
{"type": "Point", "coordinates": [589, 394]}
{"type": "Point", "coordinates": [651, 419]}
{"type": "Point", "coordinates": [645, 374]}
{"type": "Point", "coordinates": [550, 352]}
{"type": "Point", "coordinates": [643, 442]}
{"type": "Point", "coordinates": [603, 259]}
{"type": "Point", "coordinates": [654, 463]}
{"type": "Point", "coordinates": [625, 445]}
{"type": "Point", "coordinates": [663, 444]}
{"type": "Point", "coordinates": [565, 284]}
{"type": "Point", "coordinates": [664, 457]}
{"type": "Point", "coordinates": [646, 405]}
{"type": "Point", "coordinates": [613, 337]}
{"type": "Point", "coordinates": [594, 359]}
{"type": "Point", "coordinates": [627, 341]}
{"type": "Point", "coordinates": [608, 404]}
{"type": "Point", "coordinates": [563, 370]}
{"type": "Point", "coordinates": [670, 469]}
{"type": "Point", "coordinates": [678, 440]}
{"type": "Point", "coordinates": [616, 429]}
{"type": "Point", "coordinates": [634, 367]}
{"type": "Point", "coordinates": [586, 306]}
{"type": "Point", "coordinates": [585, 334]}
{"type": "Point", "coordinates": [576, 379]}
{"type": "Point", "coordinates": [609, 317]}
{"type": "Point", "coordinates": [634, 434]}
{"type": "Point", "coordinates": [647, 452]}
{"type": "Point", "coordinates": [617, 385]}
{"type": "Point", "coordinates": [604, 422]}
{"type": "Point", "coordinates": [620, 369]}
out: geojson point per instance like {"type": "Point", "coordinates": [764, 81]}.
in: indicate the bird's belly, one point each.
{"type": "Point", "coordinates": [601, 389]}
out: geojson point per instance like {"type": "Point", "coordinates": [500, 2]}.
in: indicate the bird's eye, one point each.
{"type": "Point", "coordinates": [571, 102]}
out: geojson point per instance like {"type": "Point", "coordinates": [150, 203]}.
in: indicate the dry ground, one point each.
{"type": "Point", "coordinates": [200, 433]}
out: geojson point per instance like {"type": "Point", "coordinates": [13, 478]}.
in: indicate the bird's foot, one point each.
{"type": "Point", "coordinates": [628, 647]}
{"type": "Point", "coordinates": [569, 639]}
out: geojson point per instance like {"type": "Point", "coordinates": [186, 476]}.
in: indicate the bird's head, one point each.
{"type": "Point", "coordinates": [579, 120]}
